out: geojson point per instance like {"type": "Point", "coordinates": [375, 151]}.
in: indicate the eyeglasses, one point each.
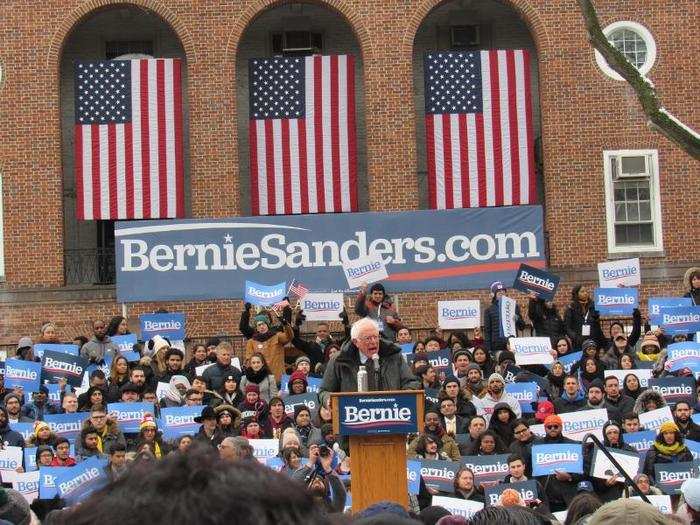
{"type": "Point", "coordinates": [521, 431]}
{"type": "Point", "coordinates": [552, 427]}
{"type": "Point", "coordinates": [368, 338]}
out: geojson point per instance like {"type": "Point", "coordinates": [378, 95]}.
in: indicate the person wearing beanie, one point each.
{"type": "Point", "coordinates": [612, 488]}
{"type": "Point", "coordinates": [257, 372]}
{"type": "Point", "coordinates": [42, 435]}
{"type": "Point", "coordinates": [474, 384]}
{"type": "Point", "coordinates": [302, 364]}
{"type": "Point", "coordinates": [596, 399]}
{"type": "Point", "coordinates": [13, 405]}
{"type": "Point", "coordinates": [252, 405]}
{"type": "Point", "coordinates": [297, 383]}
{"type": "Point", "coordinates": [495, 393]}
{"type": "Point", "coordinates": [251, 429]}
{"type": "Point", "coordinates": [691, 495]}
{"type": "Point", "coordinates": [307, 433]}
{"type": "Point", "coordinates": [649, 349]}
{"type": "Point", "coordinates": [493, 341]}
{"type": "Point", "coordinates": [151, 436]}
{"type": "Point", "coordinates": [269, 341]}
{"type": "Point", "coordinates": [581, 319]}
{"type": "Point", "coordinates": [14, 508]}
{"type": "Point", "coordinates": [451, 389]}
{"type": "Point", "coordinates": [668, 447]}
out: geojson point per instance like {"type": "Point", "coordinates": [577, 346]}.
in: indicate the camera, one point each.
{"type": "Point", "coordinates": [324, 451]}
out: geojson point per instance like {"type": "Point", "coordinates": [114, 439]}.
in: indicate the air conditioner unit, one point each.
{"type": "Point", "coordinates": [295, 43]}
{"type": "Point", "coordinates": [631, 167]}
{"type": "Point", "coordinates": [464, 36]}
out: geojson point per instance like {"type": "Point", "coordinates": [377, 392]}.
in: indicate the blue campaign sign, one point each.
{"type": "Point", "coordinates": [440, 360]}
{"type": "Point", "coordinates": [640, 441]}
{"type": "Point", "coordinates": [439, 475]}
{"type": "Point", "coordinates": [525, 393]}
{"type": "Point", "coordinates": [378, 413]}
{"type": "Point", "coordinates": [694, 447]}
{"type": "Point", "coordinates": [674, 389]}
{"type": "Point", "coordinates": [683, 355]}
{"type": "Point", "coordinates": [262, 295]}
{"type": "Point", "coordinates": [616, 301]}
{"type": "Point", "coordinates": [171, 326]}
{"type": "Point", "coordinates": [74, 484]}
{"type": "Point", "coordinates": [26, 374]}
{"type": "Point", "coordinates": [313, 384]}
{"type": "Point", "coordinates": [131, 357]}
{"type": "Point", "coordinates": [130, 415]}
{"type": "Point", "coordinates": [413, 476]}
{"type": "Point", "coordinates": [657, 304]}
{"type": "Point", "coordinates": [569, 360]}
{"type": "Point", "coordinates": [30, 457]}
{"type": "Point", "coordinates": [423, 251]}
{"type": "Point", "coordinates": [680, 319]}
{"type": "Point", "coordinates": [26, 429]}
{"type": "Point", "coordinates": [527, 489]}
{"type": "Point", "coordinates": [179, 421]}
{"type": "Point", "coordinates": [47, 481]}
{"type": "Point", "coordinates": [431, 395]}
{"type": "Point", "coordinates": [696, 418]}
{"type": "Point", "coordinates": [40, 348]}
{"type": "Point", "coordinates": [407, 348]}
{"type": "Point", "coordinates": [548, 459]}
{"type": "Point", "coordinates": [488, 470]}
{"type": "Point", "coordinates": [541, 282]}
{"type": "Point", "coordinates": [125, 343]}
{"type": "Point", "coordinates": [54, 394]}
{"type": "Point", "coordinates": [309, 400]}
{"type": "Point", "coordinates": [670, 476]}
{"type": "Point", "coordinates": [57, 366]}
{"type": "Point", "coordinates": [67, 425]}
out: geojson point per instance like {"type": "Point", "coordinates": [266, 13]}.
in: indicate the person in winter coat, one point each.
{"type": "Point", "coordinates": [257, 372]}
{"type": "Point", "coordinates": [297, 383]}
{"type": "Point", "coordinates": [270, 343]}
{"type": "Point", "coordinates": [42, 435]}
{"type": "Point", "coordinates": [691, 280]}
{"type": "Point", "coordinates": [617, 328]}
{"type": "Point", "coordinates": [488, 444]}
{"type": "Point", "coordinates": [686, 426]}
{"type": "Point", "coordinates": [106, 427]}
{"type": "Point", "coordinates": [176, 392]}
{"type": "Point", "coordinates": [277, 420]}
{"type": "Point", "coordinates": [591, 370]}
{"type": "Point", "coordinates": [522, 445]}
{"type": "Point", "coordinates": [545, 318]}
{"type": "Point", "coordinates": [484, 361]}
{"type": "Point", "coordinates": [517, 468]}
{"type": "Point", "coordinates": [118, 377]}
{"type": "Point", "coordinates": [173, 359]}
{"type": "Point", "coordinates": [450, 389]}
{"type": "Point", "coordinates": [428, 447]}
{"type": "Point", "coordinates": [632, 387]}
{"type": "Point", "coordinates": [252, 405]}
{"type": "Point", "coordinates": [572, 398]}
{"type": "Point", "coordinates": [39, 406]}
{"type": "Point", "coordinates": [215, 374]}
{"type": "Point", "coordinates": [493, 341]}
{"type": "Point", "coordinates": [377, 306]}
{"type": "Point", "coordinates": [582, 320]}
{"type": "Point", "coordinates": [341, 373]}
{"type": "Point", "coordinates": [151, 436]}
{"type": "Point", "coordinates": [228, 422]}
{"type": "Point", "coordinates": [434, 429]}
{"type": "Point", "coordinates": [612, 488]}
{"type": "Point", "coordinates": [229, 393]}
{"type": "Point", "coordinates": [307, 433]}
{"type": "Point", "coordinates": [464, 487]}
{"type": "Point", "coordinates": [668, 447]}
{"type": "Point", "coordinates": [556, 377]}
{"type": "Point", "coordinates": [647, 401]}
{"type": "Point", "coordinates": [503, 422]}
{"type": "Point", "coordinates": [614, 397]}
{"type": "Point", "coordinates": [619, 347]}
{"type": "Point", "coordinates": [474, 386]}
{"type": "Point", "coordinates": [317, 349]}
{"type": "Point", "coordinates": [650, 349]}
{"type": "Point", "coordinates": [8, 437]}
{"type": "Point", "coordinates": [200, 357]}
{"type": "Point", "coordinates": [100, 346]}
{"type": "Point", "coordinates": [495, 393]}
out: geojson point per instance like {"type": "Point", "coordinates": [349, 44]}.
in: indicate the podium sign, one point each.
{"type": "Point", "coordinates": [378, 413]}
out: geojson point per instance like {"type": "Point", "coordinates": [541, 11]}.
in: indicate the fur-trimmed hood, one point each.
{"type": "Point", "coordinates": [645, 396]}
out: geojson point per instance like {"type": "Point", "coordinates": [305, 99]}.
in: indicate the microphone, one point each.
{"type": "Point", "coordinates": [375, 360]}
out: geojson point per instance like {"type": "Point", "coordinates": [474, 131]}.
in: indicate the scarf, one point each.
{"type": "Point", "coordinates": [648, 357]}
{"type": "Point", "coordinates": [261, 338]}
{"type": "Point", "coordinates": [157, 452]}
{"type": "Point", "coordinates": [303, 433]}
{"type": "Point", "coordinates": [669, 450]}
{"type": "Point", "coordinates": [257, 377]}
{"type": "Point", "coordinates": [557, 381]}
{"type": "Point", "coordinates": [588, 376]}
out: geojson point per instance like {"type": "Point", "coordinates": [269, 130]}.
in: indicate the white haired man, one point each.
{"type": "Point", "coordinates": [393, 372]}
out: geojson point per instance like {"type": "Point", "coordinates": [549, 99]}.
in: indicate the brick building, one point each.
{"type": "Point", "coordinates": [610, 186]}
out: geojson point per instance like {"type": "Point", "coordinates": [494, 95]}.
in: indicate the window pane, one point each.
{"type": "Point", "coordinates": [634, 234]}
{"type": "Point", "coordinates": [631, 193]}
{"type": "Point", "coordinates": [630, 44]}
{"type": "Point", "coordinates": [619, 193]}
{"type": "Point", "coordinates": [645, 211]}
{"type": "Point", "coordinates": [643, 191]}
{"type": "Point", "coordinates": [621, 235]}
{"type": "Point", "coordinates": [646, 234]}
{"type": "Point", "coordinates": [632, 211]}
{"type": "Point", "coordinates": [620, 214]}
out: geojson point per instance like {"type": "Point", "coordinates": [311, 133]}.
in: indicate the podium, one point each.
{"type": "Point", "coordinates": [376, 424]}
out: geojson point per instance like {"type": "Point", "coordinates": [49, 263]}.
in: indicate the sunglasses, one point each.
{"type": "Point", "coordinates": [552, 427]}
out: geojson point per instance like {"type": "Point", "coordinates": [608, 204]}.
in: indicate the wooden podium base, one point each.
{"type": "Point", "coordinates": [378, 467]}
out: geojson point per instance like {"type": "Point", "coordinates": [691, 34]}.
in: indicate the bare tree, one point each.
{"type": "Point", "coordinates": [659, 119]}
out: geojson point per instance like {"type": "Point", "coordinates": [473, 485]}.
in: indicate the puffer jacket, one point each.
{"type": "Point", "coordinates": [493, 341]}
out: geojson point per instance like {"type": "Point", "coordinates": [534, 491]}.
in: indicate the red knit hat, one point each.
{"type": "Point", "coordinates": [298, 376]}
{"type": "Point", "coordinates": [252, 387]}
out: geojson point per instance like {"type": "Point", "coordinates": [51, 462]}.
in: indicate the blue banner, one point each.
{"type": "Point", "coordinates": [67, 425]}
{"type": "Point", "coordinates": [439, 475]}
{"type": "Point", "coordinates": [125, 343]}
{"type": "Point", "coordinates": [378, 413]}
{"type": "Point", "coordinates": [313, 384]}
{"type": "Point", "coordinates": [423, 250]}
{"type": "Point", "coordinates": [179, 421]}
{"type": "Point", "coordinates": [431, 395]}
{"type": "Point", "coordinates": [674, 389]}
{"type": "Point", "coordinates": [56, 366]}
{"type": "Point", "coordinates": [30, 457]}
{"type": "Point", "coordinates": [131, 357]}
{"type": "Point", "coordinates": [130, 415]}
{"type": "Point", "coordinates": [616, 301]}
{"type": "Point", "coordinates": [170, 325]}
{"type": "Point", "coordinates": [26, 374]}
{"type": "Point", "coordinates": [413, 476]}
{"type": "Point", "coordinates": [310, 400]}
{"type": "Point", "coordinates": [440, 360]}
{"type": "Point", "coordinates": [488, 470]}
{"type": "Point", "coordinates": [54, 394]}
{"type": "Point", "coordinates": [640, 441]}
{"type": "Point", "coordinates": [47, 481]}
{"type": "Point", "coordinates": [569, 360]}
{"type": "Point", "coordinates": [683, 355]}
{"type": "Point", "coordinates": [525, 393]}
{"type": "Point", "coordinates": [74, 484]}
{"type": "Point", "coordinates": [680, 319]}
{"type": "Point", "coordinates": [657, 304]}
{"type": "Point", "coordinates": [40, 348]}
{"type": "Point", "coordinates": [530, 279]}
{"type": "Point", "coordinates": [527, 489]}
{"type": "Point", "coordinates": [26, 429]}
{"type": "Point", "coordinates": [407, 348]}
{"type": "Point", "coordinates": [262, 295]}
{"type": "Point", "coordinates": [694, 447]}
{"type": "Point", "coordinates": [549, 459]}
{"type": "Point", "coordinates": [670, 476]}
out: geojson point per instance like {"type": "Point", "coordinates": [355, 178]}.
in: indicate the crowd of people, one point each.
{"type": "Point", "coordinates": [243, 398]}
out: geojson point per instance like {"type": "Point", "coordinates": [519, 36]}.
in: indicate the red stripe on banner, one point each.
{"type": "Point", "coordinates": [352, 139]}
{"type": "Point", "coordinates": [254, 173]}
{"type": "Point", "coordinates": [162, 141]}
{"type": "Point", "coordinates": [496, 127]}
{"type": "Point", "coordinates": [430, 144]}
{"type": "Point", "coordinates": [179, 153]}
{"type": "Point", "coordinates": [303, 168]}
{"type": "Point", "coordinates": [532, 182]}
{"type": "Point", "coordinates": [335, 136]}
{"type": "Point", "coordinates": [318, 132]}
{"type": "Point", "coordinates": [481, 159]}
{"type": "Point", "coordinates": [129, 169]}
{"type": "Point", "coordinates": [112, 167]}
{"type": "Point", "coordinates": [96, 186]}
{"type": "Point", "coordinates": [471, 269]}
{"type": "Point", "coordinates": [286, 167]}
{"type": "Point", "coordinates": [78, 156]}
{"type": "Point", "coordinates": [464, 159]}
{"type": "Point", "coordinates": [447, 159]}
{"type": "Point", "coordinates": [270, 165]}
{"type": "Point", "coordinates": [145, 143]}
{"type": "Point", "coordinates": [513, 118]}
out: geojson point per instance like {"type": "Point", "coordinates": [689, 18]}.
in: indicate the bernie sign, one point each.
{"type": "Point", "coordinates": [379, 413]}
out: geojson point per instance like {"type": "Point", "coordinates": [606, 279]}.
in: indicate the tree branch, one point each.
{"type": "Point", "coordinates": [658, 118]}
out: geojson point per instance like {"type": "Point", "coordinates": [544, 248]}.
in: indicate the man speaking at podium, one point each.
{"type": "Point", "coordinates": [386, 367]}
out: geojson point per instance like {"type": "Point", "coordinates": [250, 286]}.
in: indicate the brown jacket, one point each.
{"type": "Point", "coordinates": [272, 349]}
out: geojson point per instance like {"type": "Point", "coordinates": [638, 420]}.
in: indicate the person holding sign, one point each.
{"type": "Point", "coordinates": [582, 320]}
{"type": "Point", "coordinates": [611, 488]}
{"type": "Point", "coordinates": [668, 447]}
{"type": "Point", "coordinates": [493, 340]}
{"type": "Point", "coordinates": [270, 343]}
{"type": "Point", "coordinates": [377, 305]}
{"type": "Point", "coordinates": [97, 349]}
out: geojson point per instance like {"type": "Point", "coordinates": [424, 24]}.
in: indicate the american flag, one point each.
{"type": "Point", "coordinates": [478, 126]}
{"type": "Point", "coordinates": [128, 139]}
{"type": "Point", "coordinates": [298, 290]}
{"type": "Point", "coordinates": [303, 147]}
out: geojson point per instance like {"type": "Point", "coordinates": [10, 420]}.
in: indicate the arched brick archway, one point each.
{"type": "Point", "coordinates": [87, 9]}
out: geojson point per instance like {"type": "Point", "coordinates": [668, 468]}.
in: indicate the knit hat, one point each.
{"type": "Point", "coordinates": [262, 318]}
{"type": "Point", "coordinates": [552, 419]}
{"type": "Point", "coordinates": [588, 343]}
{"type": "Point", "coordinates": [147, 422]}
{"type": "Point", "coordinates": [497, 286]}
{"type": "Point", "coordinates": [14, 508]}
{"type": "Point", "coordinates": [252, 387]}
{"type": "Point", "coordinates": [24, 342]}
{"type": "Point", "coordinates": [301, 359]}
{"type": "Point", "coordinates": [459, 353]}
{"type": "Point", "coordinates": [473, 366]}
{"type": "Point", "coordinates": [668, 426]}
{"type": "Point", "coordinates": [506, 355]}
{"type": "Point", "coordinates": [691, 493]}
{"type": "Point", "coordinates": [650, 340]}
{"type": "Point", "coordinates": [38, 425]}
{"type": "Point", "coordinates": [298, 376]}
{"type": "Point", "coordinates": [496, 377]}
{"type": "Point", "coordinates": [450, 379]}
{"type": "Point", "coordinates": [597, 383]}
{"type": "Point", "coordinates": [158, 343]}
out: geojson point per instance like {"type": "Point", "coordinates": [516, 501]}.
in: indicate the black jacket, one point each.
{"type": "Point", "coordinates": [575, 318]}
{"type": "Point", "coordinates": [624, 404]}
{"type": "Point", "coordinates": [492, 327]}
{"type": "Point", "coordinates": [563, 404]}
{"type": "Point", "coordinates": [546, 321]}
{"type": "Point", "coordinates": [690, 431]}
{"type": "Point", "coordinates": [654, 456]}
{"type": "Point", "coordinates": [524, 450]}
{"type": "Point", "coordinates": [214, 375]}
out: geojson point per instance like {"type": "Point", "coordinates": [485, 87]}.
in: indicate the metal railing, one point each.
{"type": "Point", "coordinates": [89, 266]}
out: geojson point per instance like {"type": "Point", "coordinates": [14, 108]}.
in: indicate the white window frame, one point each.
{"type": "Point", "coordinates": [654, 197]}
{"type": "Point", "coordinates": [642, 32]}
{"type": "Point", "coordinates": [2, 237]}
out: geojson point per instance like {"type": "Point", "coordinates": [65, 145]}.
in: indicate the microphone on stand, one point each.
{"type": "Point", "coordinates": [375, 361]}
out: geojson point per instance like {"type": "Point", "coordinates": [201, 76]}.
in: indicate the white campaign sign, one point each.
{"type": "Point", "coordinates": [603, 468]}
{"type": "Point", "coordinates": [11, 458]}
{"type": "Point", "coordinates": [532, 350]}
{"type": "Point", "coordinates": [27, 484]}
{"type": "Point", "coordinates": [364, 270]}
{"type": "Point", "coordinates": [663, 503]}
{"type": "Point", "coordinates": [162, 388]}
{"type": "Point", "coordinates": [653, 419]}
{"type": "Point", "coordinates": [508, 306]}
{"type": "Point", "coordinates": [625, 272]}
{"type": "Point", "coordinates": [322, 306]}
{"type": "Point", "coordinates": [264, 448]}
{"type": "Point", "coordinates": [459, 314]}
{"type": "Point", "coordinates": [643, 375]}
{"type": "Point", "coordinates": [458, 507]}
{"type": "Point", "coordinates": [578, 424]}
